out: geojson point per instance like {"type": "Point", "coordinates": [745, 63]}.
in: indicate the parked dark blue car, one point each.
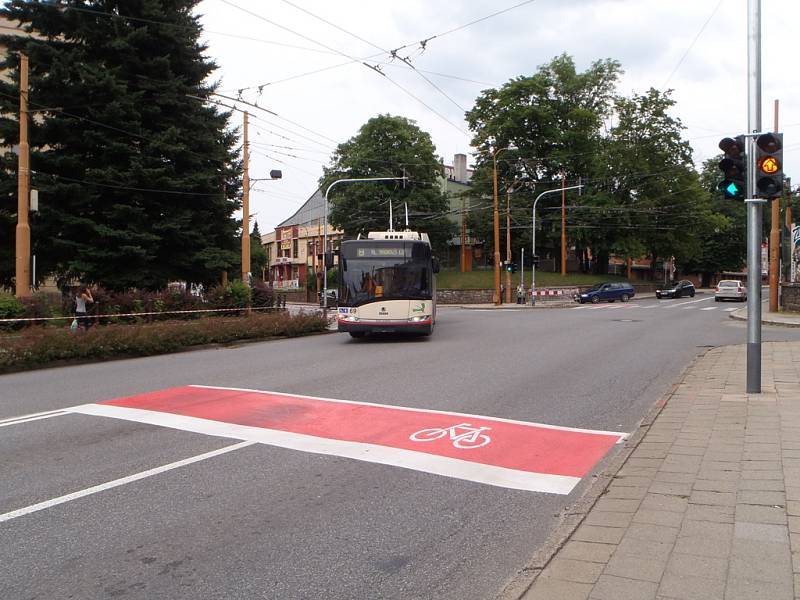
{"type": "Point", "coordinates": [606, 292]}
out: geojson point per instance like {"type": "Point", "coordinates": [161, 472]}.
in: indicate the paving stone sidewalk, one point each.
{"type": "Point", "coordinates": [707, 506]}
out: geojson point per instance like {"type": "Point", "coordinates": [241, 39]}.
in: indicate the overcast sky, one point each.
{"type": "Point", "coordinates": [322, 95]}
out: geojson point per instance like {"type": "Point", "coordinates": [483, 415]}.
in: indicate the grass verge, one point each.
{"type": "Point", "coordinates": [476, 280]}
{"type": "Point", "coordinates": [44, 347]}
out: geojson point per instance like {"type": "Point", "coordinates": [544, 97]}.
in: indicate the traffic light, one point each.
{"type": "Point", "coordinates": [769, 165]}
{"type": "Point", "coordinates": [733, 167]}
{"type": "Point", "coordinates": [511, 267]}
{"type": "Point", "coordinates": [535, 260]}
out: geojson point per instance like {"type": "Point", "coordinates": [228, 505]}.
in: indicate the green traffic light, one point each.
{"type": "Point", "coordinates": [733, 189]}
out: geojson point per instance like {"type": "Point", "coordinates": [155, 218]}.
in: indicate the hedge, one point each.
{"type": "Point", "coordinates": [43, 346]}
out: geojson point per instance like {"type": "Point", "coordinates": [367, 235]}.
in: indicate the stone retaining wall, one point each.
{"type": "Point", "coordinates": [790, 296]}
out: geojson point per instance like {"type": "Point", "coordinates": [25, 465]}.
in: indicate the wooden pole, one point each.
{"type": "Point", "coordinates": [563, 224]}
{"type": "Point", "coordinates": [245, 206]}
{"type": "Point", "coordinates": [23, 231]}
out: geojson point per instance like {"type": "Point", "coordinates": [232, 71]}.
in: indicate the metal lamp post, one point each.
{"type": "Point", "coordinates": [533, 234]}
{"type": "Point", "coordinates": [325, 230]}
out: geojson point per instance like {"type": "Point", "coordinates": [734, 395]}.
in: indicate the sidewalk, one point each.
{"type": "Point", "coordinates": [770, 318]}
{"type": "Point", "coordinates": [706, 504]}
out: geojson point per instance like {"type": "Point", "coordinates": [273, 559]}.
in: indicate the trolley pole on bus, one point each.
{"type": "Point", "coordinates": [325, 231]}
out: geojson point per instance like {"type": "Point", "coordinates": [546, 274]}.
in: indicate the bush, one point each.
{"type": "Point", "coordinates": [10, 308]}
{"type": "Point", "coordinates": [41, 347]}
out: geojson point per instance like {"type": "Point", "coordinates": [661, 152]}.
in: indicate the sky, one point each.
{"type": "Point", "coordinates": [304, 61]}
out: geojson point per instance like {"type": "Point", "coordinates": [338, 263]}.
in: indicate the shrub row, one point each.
{"type": "Point", "coordinates": [235, 295]}
{"type": "Point", "coordinates": [40, 347]}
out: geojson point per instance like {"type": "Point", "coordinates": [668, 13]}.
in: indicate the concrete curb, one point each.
{"type": "Point", "coordinates": [741, 315]}
{"type": "Point", "coordinates": [574, 516]}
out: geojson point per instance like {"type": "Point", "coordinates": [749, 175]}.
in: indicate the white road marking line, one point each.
{"type": "Point", "coordinates": [710, 308]}
{"type": "Point", "coordinates": [32, 417]}
{"type": "Point", "coordinates": [730, 309]}
{"type": "Point", "coordinates": [118, 482]}
{"type": "Point", "coordinates": [688, 302]}
{"type": "Point", "coordinates": [86, 408]}
{"type": "Point", "coordinates": [374, 453]}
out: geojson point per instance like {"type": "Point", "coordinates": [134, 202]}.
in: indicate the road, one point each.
{"type": "Point", "coordinates": [266, 520]}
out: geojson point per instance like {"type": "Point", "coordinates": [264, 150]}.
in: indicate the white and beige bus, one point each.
{"type": "Point", "coordinates": [387, 284]}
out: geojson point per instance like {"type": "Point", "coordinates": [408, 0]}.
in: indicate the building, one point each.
{"type": "Point", "coordinates": [294, 249]}
{"type": "Point", "coordinates": [456, 183]}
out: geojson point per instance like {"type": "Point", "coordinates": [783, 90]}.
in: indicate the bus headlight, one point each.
{"type": "Point", "coordinates": [348, 318]}
{"type": "Point", "coordinates": [419, 318]}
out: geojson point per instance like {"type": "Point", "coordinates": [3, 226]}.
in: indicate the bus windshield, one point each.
{"type": "Point", "coordinates": [388, 271]}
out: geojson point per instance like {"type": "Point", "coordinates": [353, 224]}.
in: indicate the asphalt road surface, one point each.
{"type": "Point", "coordinates": [105, 507]}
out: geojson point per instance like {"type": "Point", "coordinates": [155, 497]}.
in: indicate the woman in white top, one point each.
{"type": "Point", "coordinates": [82, 298]}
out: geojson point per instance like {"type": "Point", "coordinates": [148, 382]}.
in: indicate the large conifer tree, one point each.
{"type": "Point", "coordinates": [137, 181]}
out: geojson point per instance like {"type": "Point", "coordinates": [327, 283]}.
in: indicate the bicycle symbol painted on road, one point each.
{"type": "Point", "coordinates": [463, 435]}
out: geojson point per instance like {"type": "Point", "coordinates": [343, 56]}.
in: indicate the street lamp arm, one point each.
{"type": "Point", "coordinates": [325, 230]}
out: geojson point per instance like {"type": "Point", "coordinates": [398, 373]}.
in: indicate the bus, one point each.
{"type": "Point", "coordinates": [387, 284]}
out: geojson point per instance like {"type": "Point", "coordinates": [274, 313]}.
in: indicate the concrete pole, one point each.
{"type": "Point", "coordinates": [23, 231]}
{"type": "Point", "coordinates": [245, 206]}
{"type": "Point", "coordinates": [754, 205]}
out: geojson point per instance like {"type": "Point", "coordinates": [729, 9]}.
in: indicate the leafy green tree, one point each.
{"type": "Point", "coordinates": [138, 183]}
{"type": "Point", "coordinates": [258, 254]}
{"type": "Point", "coordinates": [723, 243]}
{"type": "Point", "coordinates": [554, 118]}
{"type": "Point", "coordinates": [388, 146]}
{"type": "Point", "coordinates": [656, 195]}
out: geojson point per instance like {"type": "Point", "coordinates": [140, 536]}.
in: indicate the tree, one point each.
{"type": "Point", "coordinates": [656, 200]}
{"type": "Point", "coordinates": [388, 146]}
{"type": "Point", "coordinates": [258, 255]}
{"type": "Point", "coordinates": [723, 244]}
{"type": "Point", "coordinates": [138, 183]}
{"type": "Point", "coordinates": [554, 118]}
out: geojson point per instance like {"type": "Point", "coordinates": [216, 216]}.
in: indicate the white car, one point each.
{"type": "Point", "coordinates": [730, 289]}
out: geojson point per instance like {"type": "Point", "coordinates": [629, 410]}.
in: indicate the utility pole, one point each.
{"type": "Point", "coordinates": [23, 231]}
{"type": "Point", "coordinates": [463, 235]}
{"type": "Point", "coordinates": [563, 224]}
{"type": "Point", "coordinates": [245, 205]}
{"type": "Point", "coordinates": [508, 245]}
{"type": "Point", "coordinates": [496, 294]}
{"type": "Point", "coordinates": [774, 242]}
{"type": "Point", "coordinates": [754, 205]}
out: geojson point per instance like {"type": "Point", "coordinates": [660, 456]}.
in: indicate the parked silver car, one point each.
{"type": "Point", "coordinates": [730, 289]}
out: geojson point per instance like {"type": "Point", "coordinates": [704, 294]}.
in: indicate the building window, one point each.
{"type": "Point", "coordinates": [295, 248]}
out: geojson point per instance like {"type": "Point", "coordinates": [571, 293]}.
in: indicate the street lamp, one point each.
{"type": "Point", "coordinates": [533, 234]}
{"type": "Point", "coordinates": [325, 230]}
{"type": "Point", "coordinates": [247, 183]}
{"type": "Point", "coordinates": [496, 294]}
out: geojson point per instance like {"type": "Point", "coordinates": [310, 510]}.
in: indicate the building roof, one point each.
{"type": "Point", "coordinates": [313, 210]}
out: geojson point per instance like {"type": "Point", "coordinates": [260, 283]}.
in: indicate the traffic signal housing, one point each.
{"type": "Point", "coordinates": [733, 167]}
{"type": "Point", "coordinates": [769, 165]}
{"type": "Point", "coordinates": [511, 267]}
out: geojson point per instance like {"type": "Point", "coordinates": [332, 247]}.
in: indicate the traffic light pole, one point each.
{"type": "Point", "coordinates": [754, 205]}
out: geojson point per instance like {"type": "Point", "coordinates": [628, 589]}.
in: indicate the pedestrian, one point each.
{"type": "Point", "coordinates": [83, 298]}
{"type": "Point", "coordinates": [520, 294]}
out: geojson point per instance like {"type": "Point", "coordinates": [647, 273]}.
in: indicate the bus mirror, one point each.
{"type": "Point", "coordinates": [435, 265]}
{"type": "Point", "coordinates": [329, 260]}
